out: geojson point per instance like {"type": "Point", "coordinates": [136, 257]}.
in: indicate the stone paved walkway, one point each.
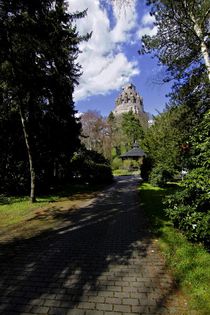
{"type": "Point", "coordinates": [102, 262]}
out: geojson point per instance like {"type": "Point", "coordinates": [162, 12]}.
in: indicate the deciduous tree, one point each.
{"type": "Point", "coordinates": [96, 133]}
{"type": "Point", "coordinates": [182, 39]}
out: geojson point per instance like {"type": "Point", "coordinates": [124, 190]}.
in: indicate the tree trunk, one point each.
{"type": "Point", "coordinates": [205, 54]}
{"type": "Point", "coordinates": [30, 156]}
{"type": "Point", "coordinates": [204, 49]}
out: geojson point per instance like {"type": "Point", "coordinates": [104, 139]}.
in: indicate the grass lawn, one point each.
{"type": "Point", "coordinates": [123, 172]}
{"type": "Point", "coordinates": [19, 218]}
{"type": "Point", "coordinates": [190, 263]}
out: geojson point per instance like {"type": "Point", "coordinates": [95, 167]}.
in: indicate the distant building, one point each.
{"type": "Point", "coordinates": [130, 100]}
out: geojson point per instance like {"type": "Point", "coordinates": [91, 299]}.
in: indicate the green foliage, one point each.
{"type": "Point", "coordinates": [131, 165]}
{"type": "Point", "coordinates": [117, 163]}
{"type": "Point", "coordinates": [189, 209]}
{"type": "Point", "coordinates": [124, 131]}
{"type": "Point", "coordinates": [38, 69]}
{"type": "Point", "coordinates": [163, 142]}
{"type": "Point", "coordinates": [160, 175]}
{"type": "Point", "coordinates": [91, 167]}
{"type": "Point", "coordinates": [182, 29]}
{"type": "Point", "coordinates": [132, 128]}
{"type": "Point", "coordinates": [190, 263]}
{"type": "Point", "coordinates": [146, 168]}
{"type": "Point", "coordinates": [181, 44]}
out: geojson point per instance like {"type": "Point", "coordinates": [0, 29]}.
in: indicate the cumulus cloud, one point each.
{"type": "Point", "coordinates": [125, 22]}
{"type": "Point", "coordinates": [151, 31]}
{"type": "Point", "coordinates": [147, 26]}
{"type": "Point", "coordinates": [148, 19]}
{"type": "Point", "coordinates": [112, 74]}
{"type": "Point", "coordinates": [105, 66]}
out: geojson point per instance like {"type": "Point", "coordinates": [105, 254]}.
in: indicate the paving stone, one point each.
{"type": "Point", "coordinates": [122, 294]}
{"type": "Point", "coordinates": [122, 308]}
{"type": "Point", "coordinates": [101, 261]}
{"type": "Point", "coordinates": [98, 299]}
{"type": "Point", "coordinates": [114, 288]}
{"type": "Point", "coordinates": [106, 293]}
{"type": "Point", "coordinates": [93, 312]}
{"type": "Point", "coordinates": [104, 307]}
{"type": "Point", "coordinates": [130, 301]}
{"type": "Point", "coordinates": [40, 309]}
{"type": "Point", "coordinates": [87, 305]}
{"type": "Point", "coordinates": [140, 309]}
{"type": "Point", "coordinates": [76, 312]}
{"type": "Point", "coordinates": [55, 303]}
{"type": "Point", "coordinates": [57, 311]}
{"type": "Point", "coordinates": [114, 300]}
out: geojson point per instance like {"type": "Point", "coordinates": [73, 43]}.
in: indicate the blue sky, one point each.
{"type": "Point", "coordinates": [110, 58]}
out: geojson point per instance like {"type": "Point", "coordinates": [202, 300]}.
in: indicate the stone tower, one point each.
{"type": "Point", "coordinates": [129, 100]}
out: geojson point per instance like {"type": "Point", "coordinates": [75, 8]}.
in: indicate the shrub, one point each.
{"type": "Point", "coordinates": [117, 163]}
{"type": "Point", "coordinates": [91, 167]}
{"type": "Point", "coordinates": [189, 209]}
{"type": "Point", "coordinates": [146, 168]}
{"type": "Point", "coordinates": [160, 175]}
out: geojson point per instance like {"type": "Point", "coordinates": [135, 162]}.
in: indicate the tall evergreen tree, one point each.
{"type": "Point", "coordinates": [39, 48]}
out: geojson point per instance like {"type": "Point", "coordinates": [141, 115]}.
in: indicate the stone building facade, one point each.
{"type": "Point", "coordinates": [129, 100]}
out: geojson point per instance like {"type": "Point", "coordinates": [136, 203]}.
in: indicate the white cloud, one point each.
{"type": "Point", "coordinates": [105, 66]}
{"type": "Point", "coordinates": [148, 19]}
{"type": "Point", "coordinates": [147, 26]}
{"type": "Point", "coordinates": [125, 22]}
{"type": "Point", "coordinates": [147, 31]}
{"type": "Point", "coordinates": [112, 74]}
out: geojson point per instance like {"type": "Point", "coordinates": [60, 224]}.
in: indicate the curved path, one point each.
{"type": "Point", "coordinates": [102, 262]}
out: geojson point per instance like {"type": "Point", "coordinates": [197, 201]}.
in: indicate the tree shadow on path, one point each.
{"type": "Point", "coordinates": [98, 254]}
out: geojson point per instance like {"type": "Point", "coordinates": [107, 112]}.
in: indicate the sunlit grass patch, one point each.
{"type": "Point", "coordinates": [190, 263]}
{"type": "Point", "coordinates": [19, 218]}
{"type": "Point", "coordinates": [17, 209]}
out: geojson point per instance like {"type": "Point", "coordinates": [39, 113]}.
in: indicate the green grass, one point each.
{"type": "Point", "coordinates": [190, 263]}
{"type": "Point", "coordinates": [15, 210]}
{"type": "Point", "coordinates": [123, 172]}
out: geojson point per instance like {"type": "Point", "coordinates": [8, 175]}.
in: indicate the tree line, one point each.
{"type": "Point", "coordinates": [180, 137]}
{"type": "Point", "coordinates": [178, 142]}
{"type": "Point", "coordinates": [113, 135]}
{"type": "Point", "coordinates": [39, 131]}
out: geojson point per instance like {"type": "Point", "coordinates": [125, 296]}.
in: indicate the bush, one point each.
{"type": "Point", "coordinates": [117, 163]}
{"type": "Point", "coordinates": [91, 167]}
{"type": "Point", "coordinates": [146, 168]}
{"type": "Point", "coordinates": [189, 209]}
{"type": "Point", "coordinates": [160, 175]}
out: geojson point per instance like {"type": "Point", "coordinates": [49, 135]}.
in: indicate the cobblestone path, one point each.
{"type": "Point", "coordinates": [103, 261]}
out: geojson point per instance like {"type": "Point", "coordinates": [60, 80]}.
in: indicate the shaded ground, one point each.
{"type": "Point", "coordinates": [101, 261]}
